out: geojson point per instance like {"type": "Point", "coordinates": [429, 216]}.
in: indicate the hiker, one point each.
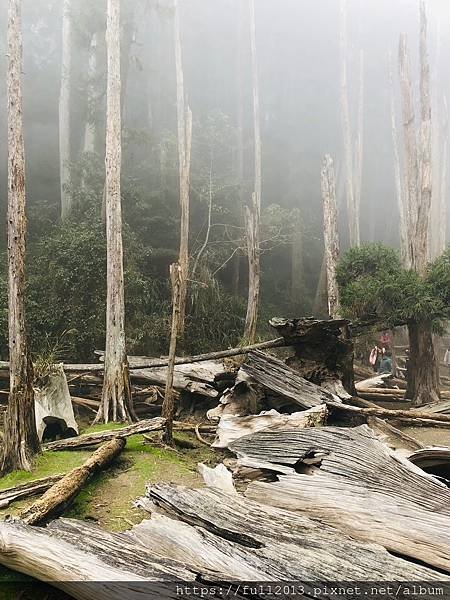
{"type": "Point", "coordinates": [386, 363]}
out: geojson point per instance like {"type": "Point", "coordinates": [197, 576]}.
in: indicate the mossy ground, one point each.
{"type": "Point", "coordinates": [108, 497]}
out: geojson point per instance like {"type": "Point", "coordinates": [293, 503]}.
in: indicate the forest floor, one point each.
{"type": "Point", "coordinates": [108, 498]}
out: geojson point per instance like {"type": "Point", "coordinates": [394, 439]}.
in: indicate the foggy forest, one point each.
{"type": "Point", "coordinates": [224, 298]}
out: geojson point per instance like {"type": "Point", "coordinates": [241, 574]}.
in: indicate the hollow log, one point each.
{"type": "Point", "coordinates": [93, 439]}
{"type": "Point", "coordinates": [61, 494]}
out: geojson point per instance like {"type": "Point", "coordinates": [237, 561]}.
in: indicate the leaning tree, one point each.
{"type": "Point", "coordinates": [20, 440]}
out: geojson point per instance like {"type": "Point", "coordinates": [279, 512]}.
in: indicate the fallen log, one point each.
{"type": "Point", "coordinates": [231, 428]}
{"type": "Point", "coordinates": [244, 398]}
{"type": "Point", "coordinates": [93, 439]}
{"type": "Point", "coordinates": [61, 494]}
{"type": "Point", "coordinates": [25, 490]}
{"type": "Point", "coordinates": [376, 381]}
{"type": "Point", "coordinates": [397, 440]}
{"type": "Point", "coordinates": [284, 545]}
{"type": "Point", "coordinates": [275, 376]}
{"type": "Point", "coordinates": [348, 479]}
{"type": "Point", "coordinates": [386, 413]}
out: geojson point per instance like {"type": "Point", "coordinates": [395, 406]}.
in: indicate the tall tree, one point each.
{"type": "Point", "coordinates": [353, 150]}
{"type": "Point", "coordinates": [184, 120]}
{"type": "Point", "coordinates": [424, 383]}
{"type": "Point", "coordinates": [20, 440]}
{"type": "Point", "coordinates": [64, 109]}
{"type": "Point", "coordinates": [116, 403]}
{"type": "Point", "coordinates": [331, 234]}
{"type": "Point", "coordinates": [253, 209]}
{"type": "Point", "coordinates": [90, 129]}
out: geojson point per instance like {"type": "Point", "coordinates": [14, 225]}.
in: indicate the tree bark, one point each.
{"type": "Point", "coordinates": [168, 407]}
{"type": "Point", "coordinates": [352, 203]}
{"type": "Point", "coordinates": [90, 129]}
{"type": "Point", "coordinates": [20, 440]}
{"type": "Point", "coordinates": [116, 403]}
{"type": "Point", "coordinates": [61, 494]}
{"type": "Point", "coordinates": [184, 120]}
{"type": "Point", "coordinates": [423, 386]}
{"type": "Point", "coordinates": [253, 210]}
{"type": "Point", "coordinates": [331, 234]}
{"type": "Point", "coordinates": [64, 110]}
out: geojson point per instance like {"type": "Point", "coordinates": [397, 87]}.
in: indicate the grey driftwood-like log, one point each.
{"type": "Point", "coordinates": [277, 377]}
{"type": "Point", "coordinates": [385, 413]}
{"type": "Point", "coordinates": [284, 545]}
{"type": "Point", "coordinates": [350, 480]}
{"type": "Point", "coordinates": [25, 490]}
{"type": "Point", "coordinates": [94, 439]}
{"type": "Point", "coordinates": [61, 494]}
{"type": "Point", "coordinates": [243, 398]}
{"type": "Point", "coordinates": [231, 428]}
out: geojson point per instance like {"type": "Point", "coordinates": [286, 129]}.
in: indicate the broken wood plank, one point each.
{"type": "Point", "coordinates": [350, 480]}
{"type": "Point", "coordinates": [25, 490]}
{"type": "Point", "coordinates": [275, 376]}
{"type": "Point", "coordinates": [231, 428]}
{"type": "Point", "coordinates": [93, 439]}
{"type": "Point", "coordinates": [61, 494]}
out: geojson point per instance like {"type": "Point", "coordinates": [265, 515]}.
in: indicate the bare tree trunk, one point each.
{"type": "Point", "coordinates": [64, 110]}
{"type": "Point", "coordinates": [401, 202]}
{"type": "Point", "coordinates": [89, 133]}
{"type": "Point", "coordinates": [20, 440]}
{"type": "Point", "coordinates": [208, 227]}
{"type": "Point", "coordinates": [359, 141]}
{"type": "Point", "coordinates": [168, 407]}
{"type": "Point", "coordinates": [320, 298]}
{"type": "Point", "coordinates": [253, 211]}
{"type": "Point", "coordinates": [184, 118]}
{"type": "Point", "coordinates": [352, 208]}
{"type": "Point", "coordinates": [116, 403]}
{"type": "Point", "coordinates": [423, 368]}
{"type": "Point", "coordinates": [423, 387]}
{"type": "Point", "coordinates": [331, 234]}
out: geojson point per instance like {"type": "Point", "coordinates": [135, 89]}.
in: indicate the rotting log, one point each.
{"type": "Point", "coordinates": [93, 439]}
{"type": "Point", "coordinates": [61, 494]}
{"type": "Point", "coordinates": [348, 479]}
{"type": "Point", "coordinates": [25, 490]}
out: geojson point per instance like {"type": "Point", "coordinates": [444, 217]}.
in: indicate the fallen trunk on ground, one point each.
{"type": "Point", "coordinates": [61, 494]}
{"type": "Point", "coordinates": [231, 428]}
{"type": "Point", "coordinates": [397, 440]}
{"type": "Point", "coordinates": [385, 413]}
{"type": "Point", "coordinates": [93, 439]}
{"type": "Point", "coordinates": [25, 490]}
{"type": "Point", "coordinates": [350, 480]}
{"type": "Point", "coordinates": [292, 547]}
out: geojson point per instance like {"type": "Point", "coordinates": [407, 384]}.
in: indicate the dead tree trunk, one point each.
{"type": "Point", "coordinates": [184, 119]}
{"type": "Point", "coordinates": [64, 109]}
{"type": "Point", "coordinates": [168, 407]}
{"type": "Point", "coordinates": [397, 170]}
{"type": "Point", "coordinates": [116, 403]}
{"type": "Point", "coordinates": [331, 234]}
{"type": "Point", "coordinates": [253, 211]}
{"type": "Point", "coordinates": [90, 130]}
{"type": "Point", "coordinates": [60, 495]}
{"type": "Point", "coordinates": [352, 205]}
{"type": "Point", "coordinates": [20, 440]}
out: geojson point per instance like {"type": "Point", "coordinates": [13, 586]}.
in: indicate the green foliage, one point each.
{"type": "Point", "coordinates": [373, 282]}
